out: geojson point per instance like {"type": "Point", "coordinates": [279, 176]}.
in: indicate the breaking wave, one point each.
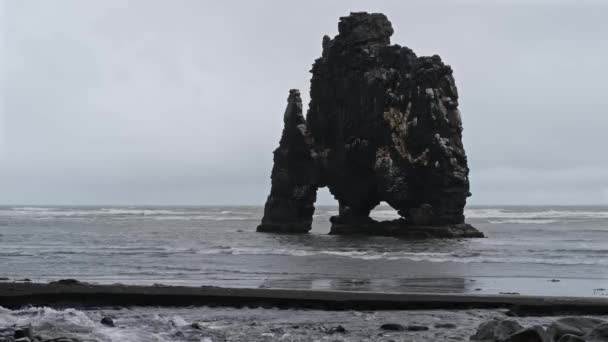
{"type": "Point", "coordinates": [524, 221]}
{"type": "Point", "coordinates": [181, 214]}
{"type": "Point", "coordinates": [86, 326]}
{"type": "Point", "coordinates": [439, 257]}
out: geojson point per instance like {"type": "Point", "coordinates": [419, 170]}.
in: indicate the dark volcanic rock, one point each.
{"type": "Point", "coordinates": [417, 328]}
{"type": "Point", "coordinates": [599, 333]}
{"type": "Point", "coordinates": [335, 330]}
{"type": "Point", "coordinates": [496, 330]}
{"type": "Point", "coordinates": [392, 327]}
{"type": "Point", "coordinates": [532, 334]}
{"type": "Point", "coordinates": [290, 205]}
{"type": "Point", "coordinates": [66, 282]}
{"type": "Point", "coordinates": [578, 326]}
{"type": "Point", "coordinates": [382, 126]}
{"type": "Point", "coordinates": [23, 332]}
{"type": "Point", "coordinates": [107, 321]}
{"type": "Point", "coordinates": [396, 228]}
{"type": "Point", "coordinates": [570, 338]}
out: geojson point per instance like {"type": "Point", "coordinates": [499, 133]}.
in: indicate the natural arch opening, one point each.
{"type": "Point", "coordinates": [326, 206]}
{"type": "Point", "coordinates": [384, 212]}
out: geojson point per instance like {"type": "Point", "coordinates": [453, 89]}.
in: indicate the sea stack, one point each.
{"type": "Point", "coordinates": [382, 126]}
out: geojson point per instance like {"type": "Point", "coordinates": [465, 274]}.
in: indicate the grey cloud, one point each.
{"type": "Point", "coordinates": [180, 102]}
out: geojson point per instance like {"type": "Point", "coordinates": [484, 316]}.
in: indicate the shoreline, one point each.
{"type": "Point", "coordinates": [72, 293]}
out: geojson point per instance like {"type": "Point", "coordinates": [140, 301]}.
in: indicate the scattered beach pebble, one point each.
{"type": "Point", "coordinates": [339, 329]}
{"type": "Point", "coordinates": [333, 330]}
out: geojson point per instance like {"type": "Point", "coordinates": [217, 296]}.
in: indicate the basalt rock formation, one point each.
{"type": "Point", "coordinates": [382, 125]}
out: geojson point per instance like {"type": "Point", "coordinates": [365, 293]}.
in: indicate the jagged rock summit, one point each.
{"type": "Point", "coordinates": [382, 126]}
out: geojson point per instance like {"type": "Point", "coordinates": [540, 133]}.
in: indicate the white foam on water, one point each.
{"type": "Point", "coordinates": [184, 214]}
{"type": "Point", "coordinates": [51, 323]}
{"type": "Point", "coordinates": [524, 221]}
{"type": "Point", "coordinates": [32, 209]}
{"type": "Point", "coordinates": [554, 214]}
{"type": "Point", "coordinates": [388, 214]}
{"type": "Point", "coordinates": [496, 215]}
{"type": "Point", "coordinates": [499, 215]}
{"type": "Point", "coordinates": [205, 218]}
{"type": "Point", "coordinates": [439, 257]}
{"type": "Point", "coordinates": [134, 211]}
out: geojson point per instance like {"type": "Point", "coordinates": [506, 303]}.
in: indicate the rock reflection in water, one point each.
{"type": "Point", "coordinates": [433, 285]}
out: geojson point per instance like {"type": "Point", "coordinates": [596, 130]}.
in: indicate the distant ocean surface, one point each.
{"type": "Point", "coordinates": [528, 250]}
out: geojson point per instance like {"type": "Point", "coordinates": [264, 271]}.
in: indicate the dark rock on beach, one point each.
{"type": "Point", "coordinates": [567, 329]}
{"type": "Point", "coordinates": [598, 333]}
{"type": "Point", "coordinates": [532, 334]}
{"type": "Point", "coordinates": [66, 282]}
{"type": "Point", "coordinates": [392, 327]}
{"type": "Point", "coordinates": [107, 321]}
{"type": "Point", "coordinates": [496, 330]}
{"type": "Point", "coordinates": [570, 338]}
{"type": "Point", "coordinates": [334, 330]}
{"type": "Point", "coordinates": [382, 125]}
{"type": "Point", "coordinates": [196, 326]}
{"type": "Point", "coordinates": [577, 326]}
{"type": "Point", "coordinates": [415, 327]}
{"type": "Point", "coordinates": [23, 332]}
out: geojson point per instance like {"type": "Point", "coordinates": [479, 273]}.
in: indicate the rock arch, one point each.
{"type": "Point", "coordinates": [382, 125]}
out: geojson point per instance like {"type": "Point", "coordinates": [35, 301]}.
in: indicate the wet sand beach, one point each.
{"type": "Point", "coordinates": [72, 293]}
{"type": "Point", "coordinates": [163, 313]}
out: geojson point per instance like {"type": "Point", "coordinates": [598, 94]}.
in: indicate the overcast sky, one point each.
{"type": "Point", "coordinates": [181, 102]}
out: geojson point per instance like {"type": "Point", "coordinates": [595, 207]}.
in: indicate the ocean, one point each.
{"type": "Point", "coordinates": [528, 250]}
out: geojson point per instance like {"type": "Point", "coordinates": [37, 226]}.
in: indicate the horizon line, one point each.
{"type": "Point", "coordinates": [262, 205]}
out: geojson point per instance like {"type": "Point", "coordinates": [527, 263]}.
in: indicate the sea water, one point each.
{"type": "Point", "coordinates": [528, 250]}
